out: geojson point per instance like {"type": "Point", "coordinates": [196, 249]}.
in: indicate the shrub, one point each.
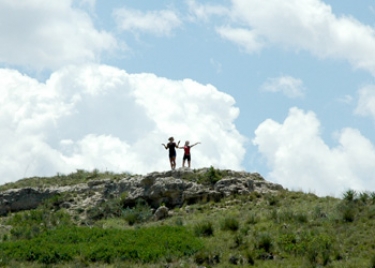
{"type": "Point", "coordinates": [230, 223]}
{"type": "Point", "coordinates": [350, 195]}
{"type": "Point", "coordinates": [363, 197]}
{"type": "Point", "coordinates": [288, 243]}
{"type": "Point", "coordinates": [204, 229]}
{"type": "Point", "coordinates": [140, 213]}
{"type": "Point", "coordinates": [301, 217]}
{"type": "Point", "coordinates": [252, 218]}
{"type": "Point", "coordinates": [112, 208]}
{"type": "Point", "coordinates": [238, 240]}
{"type": "Point", "coordinates": [348, 212]}
{"type": "Point", "coordinates": [273, 200]}
{"type": "Point", "coordinates": [211, 176]}
{"type": "Point", "coordinates": [264, 242]}
{"type": "Point", "coordinates": [179, 221]}
{"type": "Point", "coordinates": [250, 258]}
{"type": "Point", "coordinates": [319, 245]}
{"type": "Point", "coordinates": [28, 224]}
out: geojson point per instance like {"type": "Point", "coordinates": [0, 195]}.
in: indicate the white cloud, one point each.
{"type": "Point", "coordinates": [347, 99]}
{"type": "Point", "coordinates": [48, 34]}
{"type": "Point", "coordinates": [300, 159]}
{"type": "Point", "coordinates": [96, 116]}
{"type": "Point", "coordinates": [249, 40]}
{"type": "Point", "coordinates": [288, 85]}
{"type": "Point", "coordinates": [160, 22]}
{"type": "Point", "coordinates": [216, 65]}
{"type": "Point", "coordinates": [366, 101]}
{"type": "Point", "coordinates": [302, 25]}
{"type": "Point", "coordinates": [204, 12]}
{"type": "Point", "coordinates": [89, 3]}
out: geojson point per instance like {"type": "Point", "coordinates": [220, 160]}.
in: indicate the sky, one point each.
{"type": "Point", "coordinates": [282, 88]}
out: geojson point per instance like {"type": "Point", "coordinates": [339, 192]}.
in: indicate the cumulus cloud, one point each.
{"type": "Point", "coordinates": [100, 117]}
{"type": "Point", "coordinates": [307, 25]}
{"type": "Point", "coordinates": [366, 101]}
{"type": "Point", "coordinates": [288, 85]}
{"type": "Point", "coordinates": [48, 34]}
{"type": "Point", "coordinates": [159, 22]}
{"type": "Point", "coordinates": [204, 12]}
{"type": "Point", "coordinates": [248, 40]}
{"type": "Point", "coordinates": [300, 160]}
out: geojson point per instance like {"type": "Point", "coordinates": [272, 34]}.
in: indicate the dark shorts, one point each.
{"type": "Point", "coordinates": [187, 157]}
{"type": "Point", "coordinates": [172, 156]}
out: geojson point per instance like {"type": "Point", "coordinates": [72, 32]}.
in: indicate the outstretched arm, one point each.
{"type": "Point", "coordinates": [195, 144]}
{"type": "Point", "coordinates": [164, 146]}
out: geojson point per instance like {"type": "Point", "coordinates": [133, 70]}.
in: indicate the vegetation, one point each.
{"type": "Point", "coordinates": [282, 229]}
{"type": "Point", "coordinates": [80, 176]}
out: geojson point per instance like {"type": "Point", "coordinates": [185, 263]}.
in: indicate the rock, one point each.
{"type": "Point", "coordinates": [23, 199]}
{"type": "Point", "coordinates": [172, 188]}
{"type": "Point", "coordinates": [234, 185]}
{"type": "Point", "coordinates": [161, 213]}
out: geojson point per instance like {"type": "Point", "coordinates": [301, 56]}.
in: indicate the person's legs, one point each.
{"type": "Point", "coordinates": [189, 160]}
{"type": "Point", "coordinates": [173, 162]}
{"type": "Point", "coordinates": [183, 160]}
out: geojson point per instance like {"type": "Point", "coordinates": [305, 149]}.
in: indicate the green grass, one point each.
{"type": "Point", "coordinates": [65, 244]}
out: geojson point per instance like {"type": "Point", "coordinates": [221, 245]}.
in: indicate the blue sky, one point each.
{"type": "Point", "coordinates": [285, 89]}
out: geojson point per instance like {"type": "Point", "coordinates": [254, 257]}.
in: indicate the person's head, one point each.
{"type": "Point", "coordinates": [171, 139]}
{"type": "Point", "coordinates": [187, 143]}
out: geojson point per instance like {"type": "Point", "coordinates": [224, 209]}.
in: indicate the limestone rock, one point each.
{"type": "Point", "coordinates": [161, 213]}
{"type": "Point", "coordinates": [172, 188]}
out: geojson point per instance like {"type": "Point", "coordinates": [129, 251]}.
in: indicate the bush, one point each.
{"type": "Point", "coordinates": [252, 218]}
{"type": "Point", "coordinates": [112, 208]}
{"type": "Point", "coordinates": [363, 197]}
{"type": "Point", "coordinates": [264, 242]}
{"type": "Point", "coordinates": [140, 213]}
{"type": "Point", "coordinates": [273, 200]}
{"type": "Point", "coordinates": [230, 223]}
{"type": "Point", "coordinates": [350, 195]}
{"type": "Point", "coordinates": [210, 177]}
{"type": "Point", "coordinates": [348, 212]}
{"type": "Point", "coordinates": [204, 229]}
{"type": "Point", "coordinates": [28, 224]}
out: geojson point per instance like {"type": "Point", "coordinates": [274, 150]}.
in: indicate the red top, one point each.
{"type": "Point", "coordinates": [187, 150]}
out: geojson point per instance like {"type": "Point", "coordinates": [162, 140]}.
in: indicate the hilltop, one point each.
{"type": "Point", "coordinates": [182, 218]}
{"type": "Point", "coordinates": [82, 192]}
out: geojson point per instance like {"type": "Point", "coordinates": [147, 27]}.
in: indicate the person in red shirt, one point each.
{"type": "Point", "coordinates": [187, 155]}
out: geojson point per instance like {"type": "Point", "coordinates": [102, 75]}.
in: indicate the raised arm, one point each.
{"type": "Point", "coordinates": [164, 146]}
{"type": "Point", "coordinates": [195, 144]}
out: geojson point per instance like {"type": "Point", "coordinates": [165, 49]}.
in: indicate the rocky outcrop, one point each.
{"type": "Point", "coordinates": [23, 199]}
{"type": "Point", "coordinates": [170, 188]}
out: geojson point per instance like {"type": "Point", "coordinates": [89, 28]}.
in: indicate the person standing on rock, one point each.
{"type": "Point", "coordinates": [172, 151]}
{"type": "Point", "coordinates": [187, 155]}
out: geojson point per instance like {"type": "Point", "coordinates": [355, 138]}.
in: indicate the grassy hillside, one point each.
{"type": "Point", "coordinates": [284, 229]}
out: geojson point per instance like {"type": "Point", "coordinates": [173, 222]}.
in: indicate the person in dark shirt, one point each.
{"type": "Point", "coordinates": [172, 151]}
{"type": "Point", "coordinates": [187, 155]}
